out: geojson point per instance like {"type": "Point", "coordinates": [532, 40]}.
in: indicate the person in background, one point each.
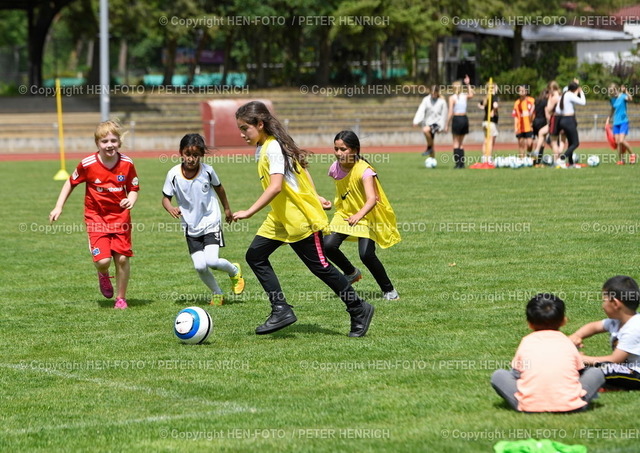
{"type": "Point", "coordinates": [457, 118]}
{"type": "Point", "coordinates": [431, 116]}
{"type": "Point", "coordinates": [619, 99]}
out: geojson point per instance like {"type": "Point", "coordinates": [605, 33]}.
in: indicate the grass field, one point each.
{"type": "Point", "coordinates": [78, 375]}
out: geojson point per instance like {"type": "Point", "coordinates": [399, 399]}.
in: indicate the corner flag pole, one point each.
{"type": "Point", "coordinates": [62, 174]}
{"type": "Point", "coordinates": [489, 108]}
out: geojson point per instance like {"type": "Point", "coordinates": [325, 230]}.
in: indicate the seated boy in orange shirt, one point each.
{"type": "Point", "coordinates": [548, 374]}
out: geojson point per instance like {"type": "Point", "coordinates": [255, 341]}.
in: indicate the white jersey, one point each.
{"type": "Point", "coordinates": [626, 338]}
{"type": "Point", "coordinates": [276, 163]}
{"type": "Point", "coordinates": [196, 198]}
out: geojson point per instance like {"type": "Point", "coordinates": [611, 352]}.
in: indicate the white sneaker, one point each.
{"type": "Point", "coordinates": [391, 295]}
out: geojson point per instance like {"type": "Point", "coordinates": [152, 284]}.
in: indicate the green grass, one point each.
{"type": "Point", "coordinates": [78, 375]}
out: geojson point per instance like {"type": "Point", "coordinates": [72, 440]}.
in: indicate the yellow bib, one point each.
{"type": "Point", "coordinates": [378, 225]}
{"type": "Point", "coordinates": [294, 215]}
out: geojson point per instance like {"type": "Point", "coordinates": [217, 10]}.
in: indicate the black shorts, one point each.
{"type": "Point", "coordinates": [525, 135]}
{"type": "Point", "coordinates": [538, 123]}
{"type": "Point", "coordinates": [197, 244]}
{"type": "Point", "coordinates": [619, 375]}
{"type": "Point", "coordinates": [460, 125]}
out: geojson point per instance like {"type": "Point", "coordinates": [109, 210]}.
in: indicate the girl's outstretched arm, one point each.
{"type": "Point", "coordinates": [66, 190]}
{"type": "Point", "coordinates": [272, 190]}
{"type": "Point", "coordinates": [222, 196]}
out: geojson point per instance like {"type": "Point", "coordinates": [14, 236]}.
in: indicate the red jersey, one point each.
{"type": "Point", "coordinates": [105, 189]}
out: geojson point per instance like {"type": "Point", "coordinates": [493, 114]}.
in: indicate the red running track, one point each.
{"type": "Point", "coordinates": [155, 154]}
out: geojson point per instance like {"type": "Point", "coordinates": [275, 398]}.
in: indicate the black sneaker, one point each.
{"type": "Point", "coordinates": [360, 319]}
{"type": "Point", "coordinates": [281, 317]}
{"type": "Point", "coordinates": [355, 277]}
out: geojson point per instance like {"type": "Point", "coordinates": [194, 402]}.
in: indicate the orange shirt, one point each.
{"type": "Point", "coordinates": [523, 110]}
{"type": "Point", "coordinates": [549, 365]}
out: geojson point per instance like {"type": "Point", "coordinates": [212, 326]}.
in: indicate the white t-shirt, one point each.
{"type": "Point", "coordinates": [570, 98]}
{"type": "Point", "coordinates": [431, 111]}
{"type": "Point", "coordinates": [276, 163]}
{"type": "Point", "coordinates": [196, 198]}
{"type": "Point", "coordinates": [626, 338]}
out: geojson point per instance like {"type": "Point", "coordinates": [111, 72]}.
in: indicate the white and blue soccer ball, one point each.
{"type": "Point", "coordinates": [193, 325]}
{"type": "Point", "coordinates": [430, 162]}
{"type": "Point", "coordinates": [515, 162]}
{"type": "Point", "coordinates": [547, 159]}
{"type": "Point", "coordinates": [593, 161]}
{"type": "Point", "coordinates": [576, 158]}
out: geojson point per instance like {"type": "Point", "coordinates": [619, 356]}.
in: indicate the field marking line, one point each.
{"type": "Point", "coordinates": [225, 408]}
{"type": "Point", "coordinates": [125, 422]}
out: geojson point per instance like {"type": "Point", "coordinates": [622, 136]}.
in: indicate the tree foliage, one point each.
{"type": "Point", "coordinates": [280, 42]}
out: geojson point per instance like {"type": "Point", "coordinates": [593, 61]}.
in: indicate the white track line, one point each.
{"type": "Point", "coordinates": [224, 407]}
{"type": "Point", "coordinates": [85, 425]}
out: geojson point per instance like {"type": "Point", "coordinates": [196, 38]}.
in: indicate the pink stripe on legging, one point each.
{"type": "Point", "coordinates": [323, 259]}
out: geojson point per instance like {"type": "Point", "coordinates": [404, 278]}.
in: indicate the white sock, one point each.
{"type": "Point", "coordinates": [204, 273]}
{"type": "Point", "coordinates": [213, 261]}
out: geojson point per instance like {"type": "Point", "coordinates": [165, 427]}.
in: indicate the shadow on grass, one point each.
{"type": "Point", "coordinates": [205, 302]}
{"type": "Point", "coordinates": [132, 303]}
{"type": "Point", "coordinates": [503, 405]}
{"type": "Point", "coordinates": [292, 330]}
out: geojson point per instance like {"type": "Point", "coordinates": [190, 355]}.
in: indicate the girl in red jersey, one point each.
{"type": "Point", "coordinates": [111, 192]}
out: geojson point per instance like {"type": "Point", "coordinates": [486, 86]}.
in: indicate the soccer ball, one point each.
{"type": "Point", "coordinates": [593, 161]}
{"type": "Point", "coordinates": [576, 158]}
{"type": "Point", "coordinates": [430, 162]}
{"type": "Point", "coordinates": [193, 325]}
{"type": "Point", "coordinates": [547, 159]}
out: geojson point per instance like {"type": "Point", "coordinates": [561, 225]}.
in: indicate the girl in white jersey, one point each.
{"type": "Point", "coordinates": [197, 190]}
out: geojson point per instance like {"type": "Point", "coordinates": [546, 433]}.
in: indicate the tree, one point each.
{"type": "Point", "coordinates": [517, 13]}
{"type": "Point", "coordinates": [40, 14]}
{"type": "Point", "coordinates": [419, 24]}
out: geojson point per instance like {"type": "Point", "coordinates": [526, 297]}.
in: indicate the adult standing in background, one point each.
{"type": "Point", "coordinates": [566, 113]}
{"type": "Point", "coordinates": [458, 118]}
{"type": "Point", "coordinates": [431, 116]}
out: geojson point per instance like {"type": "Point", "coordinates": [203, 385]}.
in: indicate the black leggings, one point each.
{"type": "Point", "coordinates": [367, 250]}
{"type": "Point", "coordinates": [569, 125]}
{"type": "Point", "coordinates": [311, 252]}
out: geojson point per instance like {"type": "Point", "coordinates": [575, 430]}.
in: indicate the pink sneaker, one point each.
{"type": "Point", "coordinates": [121, 303]}
{"type": "Point", "coordinates": [106, 288]}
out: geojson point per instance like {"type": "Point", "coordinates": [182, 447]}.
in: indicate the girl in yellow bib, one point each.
{"type": "Point", "coordinates": [363, 213]}
{"type": "Point", "coordinates": [296, 218]}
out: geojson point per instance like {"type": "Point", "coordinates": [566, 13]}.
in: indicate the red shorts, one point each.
{"type": "Point", "coordinates": [102, 244]}
{"type": "Point", "coordinates": [553, 126]}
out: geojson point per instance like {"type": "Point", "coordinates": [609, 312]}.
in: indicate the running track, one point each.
{"type": "Point", "coordinates": [418, 148]}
